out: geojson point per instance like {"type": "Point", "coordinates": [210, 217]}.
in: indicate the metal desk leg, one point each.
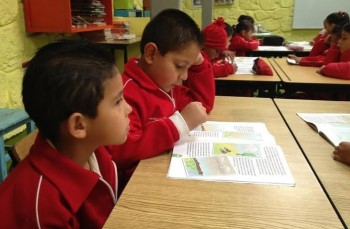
{"type": "Point", "coordinates": [3, 172]}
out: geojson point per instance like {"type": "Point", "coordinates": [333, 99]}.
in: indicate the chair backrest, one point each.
{"type": "Point", "coordinates": [21, 148]}
{"type": "Point", "coordinates": [273, 41]}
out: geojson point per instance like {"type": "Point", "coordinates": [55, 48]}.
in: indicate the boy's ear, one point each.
{"type": "Point", "coordinates": [77, 125]}
{"type": "Point", "coordinates": [149, 52]}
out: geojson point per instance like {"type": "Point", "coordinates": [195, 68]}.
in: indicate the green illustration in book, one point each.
{"type": "Point", "coordinates": [208, 166]}
{"type": "Point", "coordinates": [243, 135]}
{"type": "Point", "coordinates": [229, 149]}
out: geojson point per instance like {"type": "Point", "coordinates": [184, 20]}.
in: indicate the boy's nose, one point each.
{"type": "Point", "coordinates": [184, 76]}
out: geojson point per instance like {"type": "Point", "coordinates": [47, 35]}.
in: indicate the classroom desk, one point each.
{"type": "Point", "coordinates": [151, 200]}
{"type": "Point", "coordinates": [334, 176]}
{"type": "Point", "coordinates": [302, 78]}
{"type": "Point", "coordinates": [120, 44]}
{"type": "Point", "coordinates": [225, 85]}
{"type": "Point", "coordinates": [276, 51]}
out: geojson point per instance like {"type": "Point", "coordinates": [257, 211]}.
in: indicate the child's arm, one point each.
{"type": "Point", "coordinates": [223, 69]}
{"type": "Point", "coordinates": [342, 153]}
{"type": "Point", "coordinates": [199, 86]}
{"type": "Point", "coordinates": [340, 70]}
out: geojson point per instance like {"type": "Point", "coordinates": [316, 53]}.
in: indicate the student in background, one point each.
{"type": "Point", "coordinates": [216, 41]}
{"type": "Point", "coordinates": [340, 69]}
{"type": "Point", "coordinates": [242, 41]}
{"type": "Point", "coordinates": [74, 93]}
{"type": "Point", "coordinates": [331, 55]}
{"type": "Point", "coordinates": [322, 42]}
{"type": "Point", "coordinates": [342, 153]}
{"type": "Point", "coordinates": [164, 111]}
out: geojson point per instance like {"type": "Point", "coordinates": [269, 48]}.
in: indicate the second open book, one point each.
{"type": "Point", "coordinates": [231, 152]}
{"type": "Point", "coordinates": [334, 127]}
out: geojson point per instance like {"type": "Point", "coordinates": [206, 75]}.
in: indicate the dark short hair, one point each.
{"type": "Point", "coordinates": [243, 25]}
{"type": "Point", "coordinates": [346, 27]}
{"type": "Point", "coordinates": [65, 77]}
{"type": "Point", "coordinates": [246, 17]}
{"type": "Point", "coordinates": [228, 29]}
{"type": "Point", "coordinates": [338, 18]}
{"type": "Point", "coordinates": [171, 30]}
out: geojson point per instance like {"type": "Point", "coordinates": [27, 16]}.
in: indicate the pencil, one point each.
{"type": "Point", "coordinates": [202, 126]}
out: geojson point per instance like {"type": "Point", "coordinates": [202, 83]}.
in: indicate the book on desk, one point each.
{"type": "Point", "coordinates": [335, 128]}
{"type": "Point", "coordinates": [230, 152]}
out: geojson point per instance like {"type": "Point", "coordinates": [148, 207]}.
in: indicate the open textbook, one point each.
{"type": "Point", "coordinates": [333, 127]}
{"type": "Point", "coordinates": [231, 152]}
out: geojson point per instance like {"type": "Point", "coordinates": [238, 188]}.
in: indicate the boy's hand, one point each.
{"type": "Point", "coordinates": [194, 114]}
{"type": "Point", "coordinates": [342, 153]}
{"type": "Point", "coordinates": [229, 54]}
{"type": "Point", "coordinates": [320, 69]}
{"type": "Point", "coordinates": [199, 60]}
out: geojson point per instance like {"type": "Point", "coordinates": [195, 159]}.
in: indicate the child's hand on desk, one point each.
{"type": "Point", "coordinates": [199, 60]}
{"type": "Point", "coordinates": [231, 55]}
{"type": "Point", "coordinates": [342, 153]}
{"type": "Point", "coordinates": [294, 57]}
{"type": "Point", "coordinates": [194, 114]}
{"type": "Point", "coordinates": [320, 69]}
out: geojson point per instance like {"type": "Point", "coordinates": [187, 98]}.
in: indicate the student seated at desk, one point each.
{"type": "Point", "coordinates": [73, 92]}
{"type": "Point", "coordinates": [340, 69]}
{"type": "Point", "coordinates": [331, 55]}
{"type": "Point", "coordinates": [322, 42]}
{"type": "Point", "coordinates": [217, 37]}
{"type": "Point", "coordinates": [342, 153]}
{"type": "Point", "coordinates": [163, 110]}
{"type": "Point", "coordinates": [242, 41]}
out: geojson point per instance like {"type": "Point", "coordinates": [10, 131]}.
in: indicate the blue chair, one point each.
{"type": "Point", "coordinates": [11, 119]}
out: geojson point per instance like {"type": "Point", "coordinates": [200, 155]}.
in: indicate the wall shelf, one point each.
{"type": "Point", "coordinates": [57, 16]}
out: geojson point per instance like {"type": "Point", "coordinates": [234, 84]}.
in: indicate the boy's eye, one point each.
{"type": "Point", "coordinates": [119, 101]}
{"type": "Point", "coordinates": [179, 66]}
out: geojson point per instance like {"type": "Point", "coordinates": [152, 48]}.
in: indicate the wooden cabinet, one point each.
{"type": "Point", "coordinates": [63, 16]}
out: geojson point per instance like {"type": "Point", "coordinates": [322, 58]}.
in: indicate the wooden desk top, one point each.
{"type": "Point", "coordinates": [253, 77]}
{"type": "Point", "coordinates": [120, 42]}
{"type": "Point", "coordinates": [151, 200]}
{"type": "Point", "coordinates": [334, 176]}
{"type": "Point", "coordinates": [302, 74]}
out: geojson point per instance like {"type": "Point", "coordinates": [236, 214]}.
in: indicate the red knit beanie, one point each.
{"type": "Point", "coordinates": [215, 35]}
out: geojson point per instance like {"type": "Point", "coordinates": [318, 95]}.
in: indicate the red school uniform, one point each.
{"type": "Point", "coordinates": [340, 70]}
{"type": "Point", "coordinates": [151, 130]}
{"type": "Point", "coordinates": [48, 190]}
{"type": "Point", "coordinates": [331, 55]}
{"type": "Point", "coordinates": [240, 45]}
{"type": "Point", "coordinates": [221, 68]}
{"type": "Point", "coordinates": [320, 45]}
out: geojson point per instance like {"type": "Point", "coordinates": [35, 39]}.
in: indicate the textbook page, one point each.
{"type": "Point", "coordinates": [244, 65]}
{"type": "Point", "coordinates": [333, 127]}
{"type": "Point", "coordinates": [249, 158]}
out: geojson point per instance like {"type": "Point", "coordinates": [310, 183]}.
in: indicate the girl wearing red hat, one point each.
{"type": "Point", "coordinates": [216, 41]}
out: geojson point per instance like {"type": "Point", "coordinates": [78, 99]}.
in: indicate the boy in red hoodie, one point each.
{"type": "Point", "coordinates": [340, 69]}
{"type": "Point", "coordinates": [74, 93]}
{"type": "Point", "coordinates": [163, 110]}
{"type": "Point", "coordinates": [217, 37]}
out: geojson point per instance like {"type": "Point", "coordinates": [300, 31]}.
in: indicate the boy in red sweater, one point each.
{"type": "Point", "coordinates": [163, 110]}
{"type": "Point", "coordinates": [217, 37]}
{"type": "Point", "coordinates": [74, 93]}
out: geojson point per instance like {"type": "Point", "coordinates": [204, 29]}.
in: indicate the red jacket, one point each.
{"type": "Point", "coordinates": [240, 45]}
{"type": "Point", "coordinates": [48, 190]}
{"type": "Point", "coordinates": [221, 68]}
{"type": "Point", "coordinates": [320, 46]}
{"type": "Point", "coordinates": [331, 55]}
{"type": "Point", "coordinates": [151, 130]}
{"type": "Point", "coordinates": [339, 70]}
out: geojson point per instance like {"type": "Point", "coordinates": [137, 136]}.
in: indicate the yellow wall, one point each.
{"type": "Point", "coordinates": [17, 46]}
